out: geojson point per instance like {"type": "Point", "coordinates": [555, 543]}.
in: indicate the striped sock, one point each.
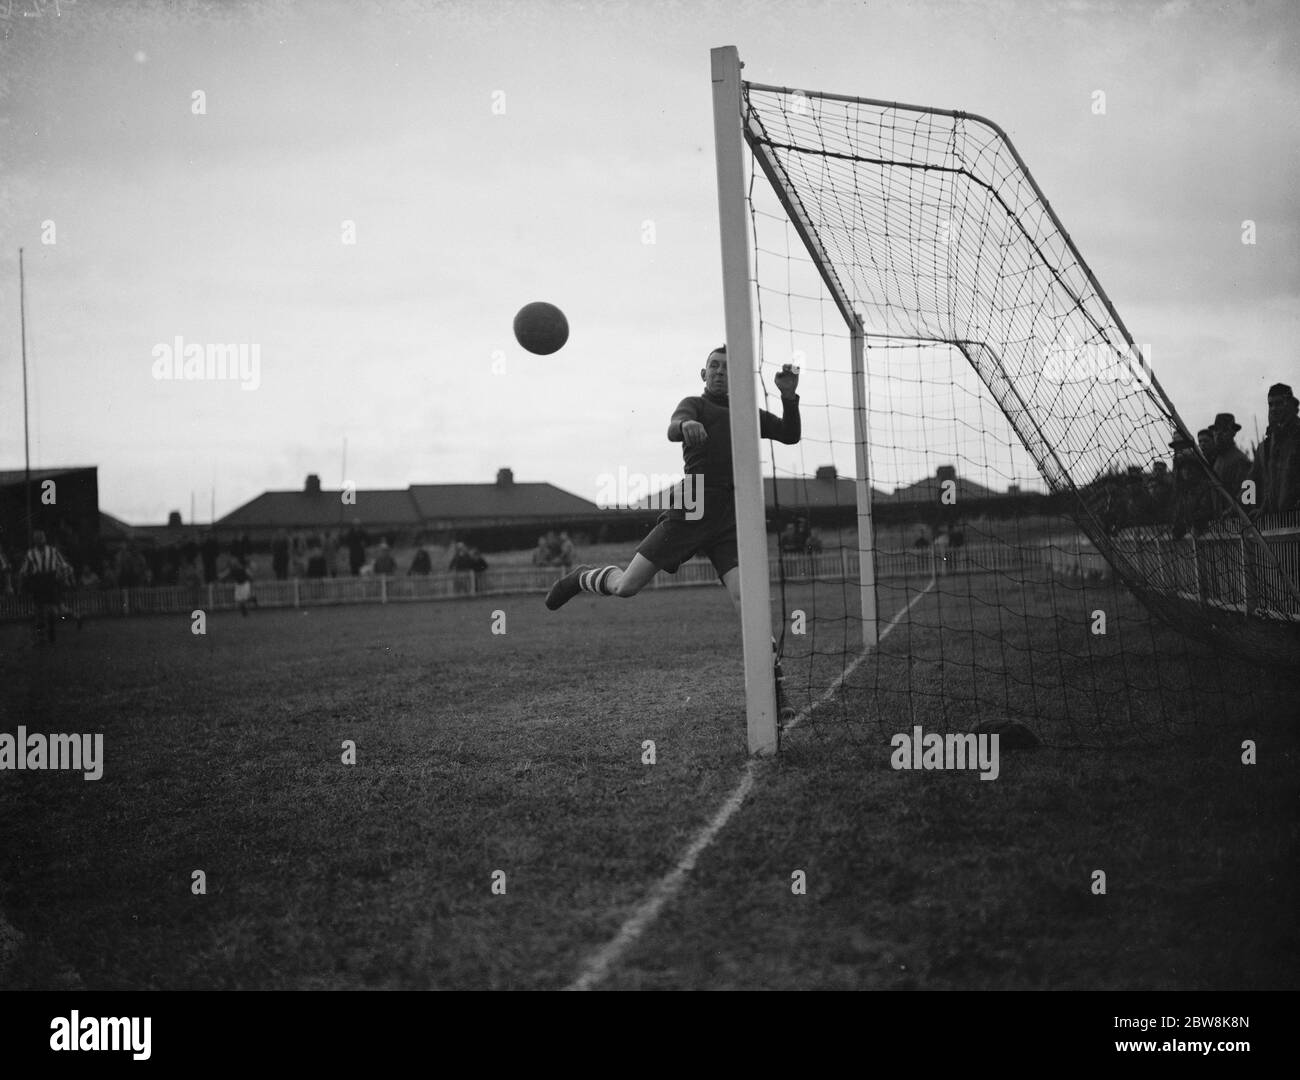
{"type": "Point", "coordinates": [600, 581]}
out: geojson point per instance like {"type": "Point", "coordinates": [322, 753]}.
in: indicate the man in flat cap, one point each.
{"type": "Point", "coordinates": [1277, 462]}
{"type": "Point", "coordinates": [1231, 466]}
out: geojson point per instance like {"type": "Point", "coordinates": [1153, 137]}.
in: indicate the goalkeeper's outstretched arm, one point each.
{"type": "Point", "coordinates": [788, 427]}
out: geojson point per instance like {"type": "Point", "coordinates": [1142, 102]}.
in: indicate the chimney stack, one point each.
{"type": "Point", "coordinates": [505, 478]}
{"type": "Point", "coordinates": [313, 484]}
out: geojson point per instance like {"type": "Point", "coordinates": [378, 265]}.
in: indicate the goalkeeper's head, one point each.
{"type": "Point", "coordinates": [714, 372]}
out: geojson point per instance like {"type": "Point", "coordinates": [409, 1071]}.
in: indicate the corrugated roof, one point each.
{"type": "Point", "coordinates": [443, 502]}
{"type": "Point", "coordinates": [111, 528]}
{"type": "Point", "coordinates": [417, 505]}
{"type": "Point", "coordinates": [809, 493]}
{"type": "Point", "coordinates": [324, 509]}
{"type": "Point", "coordinates": [928, 490]}
{"type": "Point", "coordinates": [15, 476]}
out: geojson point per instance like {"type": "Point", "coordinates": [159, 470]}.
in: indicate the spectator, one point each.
{"type": "Point", "coordinates": [1193, 506]}
{"type": "Point", "coordinates": [1277, 461]}
{"type": "Point", "coordinates": [477, 563]}
{"type": "Point", "coordinates": [1160, 493]}
{"type": "Point", "coordinates": [1205, 439]}
{"type": "Point", "coordinates": [808, 542]}
{"type": "Point", "coordinates": [188, 575]}
{"type": "Point", "coordinates": [542, 553]}
{"type": "Point", "coordinates": [331, 548]}
{"type": "Point", "coordinates": [1136, 506]}
{"type": "Point", "coordinates": [385, 564]}
{"type": "Point", "coordinates": [568, 553]}
{"type": "Point", "coordinates": [940, 549]}
{"type": "Point", "coordinates": [356, 541]}
{"type": "Point", "coordinates": [460, 558]}
{"type": "Point", "coordinates": [1231, 466]}
{"type": "Point", "coordinates": [169, 560]}
{"type": "Point", "coordinates": [132, 572]}
{"type": "Point", "coordinates": [280, 554]}
{"type": "Point", "coordinates": [209, 551]}
{"type": "Point", "coordinates": [462, 562]}
{"type": "Point", "coordinates": [341, 565]}
{"type": "Point", "coordinates": [316, 564]}
{"type": "Point", "coordinates": [421, 564]}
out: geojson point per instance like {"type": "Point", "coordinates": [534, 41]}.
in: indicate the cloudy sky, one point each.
{"type": "Point", "coordinates": [199, 163]}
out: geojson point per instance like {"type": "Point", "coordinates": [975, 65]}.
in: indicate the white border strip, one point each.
{"type": "Point", "coordinates": [598, 967]}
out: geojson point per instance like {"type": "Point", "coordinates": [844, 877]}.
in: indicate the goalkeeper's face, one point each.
{"type": "Point", "coordinates": [714, 373]}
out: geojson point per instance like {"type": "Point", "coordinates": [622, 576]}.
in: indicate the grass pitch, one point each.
{"type": "Point", "coordinates": [523, 752]}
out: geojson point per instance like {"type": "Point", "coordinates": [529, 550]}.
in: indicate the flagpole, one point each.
{"type": "Point", "coordinates": [27, 443]}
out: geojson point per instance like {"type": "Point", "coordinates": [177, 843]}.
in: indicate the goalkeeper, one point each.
{"type": "Point", "coordinates": [702, 425]}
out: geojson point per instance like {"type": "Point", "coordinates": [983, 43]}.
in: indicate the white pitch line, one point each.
{"type": "Point", "coordinates": [646, 913]}
{"type": "Point", "coordinates": [854, 666]}
{"type": "Point", "coordinates": [670, 884]}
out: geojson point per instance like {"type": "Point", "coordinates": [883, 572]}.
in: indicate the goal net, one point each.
{"type": "Point", "coordinates": [993, 494]}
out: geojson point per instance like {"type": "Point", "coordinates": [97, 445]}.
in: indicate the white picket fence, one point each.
{"type": "Point", "coordinates": [840, 565]}
{"type": "Point", "coordinates": [1216, 570]}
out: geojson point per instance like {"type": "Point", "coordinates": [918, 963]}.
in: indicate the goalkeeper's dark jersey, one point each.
{"type": "Point", "coordinates": [713, 459]}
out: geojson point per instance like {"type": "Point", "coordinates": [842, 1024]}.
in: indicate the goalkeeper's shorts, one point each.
{"type": "Point", "coordinates": [674, 539]}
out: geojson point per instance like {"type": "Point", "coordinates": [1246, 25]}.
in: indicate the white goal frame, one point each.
{"type": "Point", "coordinates": [737, 291]}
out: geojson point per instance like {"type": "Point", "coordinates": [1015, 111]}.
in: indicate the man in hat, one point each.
{"type": "Point", "coordinates": [1231, 466]}
{"type": "Point", "coordinates": [1277, 462]}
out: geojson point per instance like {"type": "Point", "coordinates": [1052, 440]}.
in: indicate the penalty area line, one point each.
{"type": "Point", "coordinates": [598, 966]}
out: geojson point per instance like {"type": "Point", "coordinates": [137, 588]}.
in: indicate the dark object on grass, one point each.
{"type": "Point", "coordinates": [1012, 736]}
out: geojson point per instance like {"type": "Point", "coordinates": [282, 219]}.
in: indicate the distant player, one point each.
{"type": "Point", "coordinates": [45, 573]}
{"type": "Point", "coordinates": [702, 425]}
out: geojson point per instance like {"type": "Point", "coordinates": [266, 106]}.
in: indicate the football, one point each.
{"type": "Point", "coordinates": [541, 328]}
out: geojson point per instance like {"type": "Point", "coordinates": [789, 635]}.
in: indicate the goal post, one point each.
{"type": "Point", "coordinates": [751, 529]}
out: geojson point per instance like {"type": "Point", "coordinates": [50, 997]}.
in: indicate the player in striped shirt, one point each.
{"type": "Point", "coordinates": [702, 424]}
{"type": "Point", "coordinates": [44, 573]}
